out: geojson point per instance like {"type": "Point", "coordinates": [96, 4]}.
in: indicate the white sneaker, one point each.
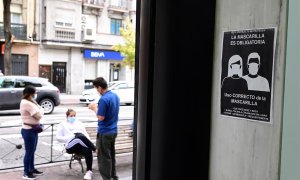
{"type": "Point", "coordinates": [31, 177]}
{"type": "Point", "coordinates": [88, 175]}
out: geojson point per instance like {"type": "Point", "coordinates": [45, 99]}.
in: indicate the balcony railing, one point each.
{"type": "Point", "coordinates": [18, 30]}
{"type": "Point", "coordinates": [118, 4]}
{"type": "Point", "coordinates": [93, 7]}
{"type": "Point", "coordinates": [94, 2]}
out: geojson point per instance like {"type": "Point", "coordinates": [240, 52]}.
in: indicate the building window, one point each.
{"type": "Point", "coordinates": [63, 24]}
{"type": "Point", "coordinates": [115, 25]}
{"type": "Point", "coordinates": [59, 23]}
{"type": "Point", "coordinates": [68, 24]}
{"type": "Point", "coordinates": [64, 34]}
{"type": "Point", "coordinates": [16, 18]}
{"type": "Point", "coordinates": [97, 2]}
{"type": "Point", "coordinates": [117, 3]}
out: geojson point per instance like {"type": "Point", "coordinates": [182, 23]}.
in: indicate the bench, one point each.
{"type": "Point", "coordinates": [124, 142]}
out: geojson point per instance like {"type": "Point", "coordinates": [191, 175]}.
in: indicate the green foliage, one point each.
{"type": "Point", "coordinates": [127, 49]}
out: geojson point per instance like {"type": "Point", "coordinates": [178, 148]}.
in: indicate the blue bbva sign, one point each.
{"type": "Point", "coordinates": [104, 55]}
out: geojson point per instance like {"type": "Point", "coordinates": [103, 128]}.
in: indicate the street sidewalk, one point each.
{"type": "Point", "coordinates": [61, 171]}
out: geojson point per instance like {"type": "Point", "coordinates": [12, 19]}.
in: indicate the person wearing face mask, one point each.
{"type": "Point", "coordinates": [234, 81]}
{"type": "Point", "coordinates": [31, 114]}
{"type": "Point", "coordinates": [107, 113]}
{"type": "Point", "coordinates": [255, 82]}
{"type": "Point", "coordinates": [72, 132]}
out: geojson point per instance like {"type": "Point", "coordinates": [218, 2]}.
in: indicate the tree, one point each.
{"type": "Point", "coordinates": [127, 49]}
{"type": "Point", "coordinates": [8, 37]}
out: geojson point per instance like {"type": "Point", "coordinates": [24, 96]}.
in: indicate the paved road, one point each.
{"type": "Point", "coordinates": [11, 118]}
{"type": "Point", "coordinates": [61, 171]}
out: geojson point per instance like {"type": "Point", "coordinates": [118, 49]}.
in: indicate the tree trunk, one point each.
{"type": "Point", "coordinates": [8, 37]}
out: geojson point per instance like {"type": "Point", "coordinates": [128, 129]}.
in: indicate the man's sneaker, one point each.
{"type": "Point", "coordinates": [37, 173]}
{"type": "Point", "coordinates": [88, 175]}
{"type": "Point", "coordinates": [29, 176]}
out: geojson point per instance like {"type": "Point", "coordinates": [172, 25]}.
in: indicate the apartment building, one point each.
{"type": "Point", "coordinates": [76, 41]}
{"type": "Point", "coordinates": [68, 41]}
{"type": "Point", "coordinates": [24, 25]}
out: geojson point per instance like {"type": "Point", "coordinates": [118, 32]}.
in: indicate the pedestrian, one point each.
{"type": "Point", "coordinates": [107, 112]}
{"type": "Point", "coordinates": [31, 114]}
{"type": "Point", "coordinates": [72, 132]}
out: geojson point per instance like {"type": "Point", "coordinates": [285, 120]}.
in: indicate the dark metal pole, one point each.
{"type": "Point", "coordinates": [174, 89]}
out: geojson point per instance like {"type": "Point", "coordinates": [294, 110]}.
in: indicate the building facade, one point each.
{"type": "Point", "coordinates": [77, 39]}
{"type": "Point", "coordinates": [24, 25]}
{"type": "Point", "coordinates": [69, 42]}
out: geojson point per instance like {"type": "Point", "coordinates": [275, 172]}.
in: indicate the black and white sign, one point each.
{"type": "Point", "coordinates": [247, 73]}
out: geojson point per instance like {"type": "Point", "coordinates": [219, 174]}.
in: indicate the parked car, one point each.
{"type": "Point", "coordinates": [124, 89]}
{"type": "Point", "coordinates": [11, 92]}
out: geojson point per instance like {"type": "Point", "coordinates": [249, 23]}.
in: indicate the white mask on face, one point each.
{"type": "Point", "coordinates": [71, 119]}
{"type": "Point", "coordinates": [34, 96]}
{"type": "Point", "coordinates": [236, 68]}
{"type": "Point", "coordinates": [99, 90]}
{"type": "Point", "coordinates": [253, 68]}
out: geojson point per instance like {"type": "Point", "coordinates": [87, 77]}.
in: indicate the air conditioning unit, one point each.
{"type": "Point", "coordinates": [88, 34]}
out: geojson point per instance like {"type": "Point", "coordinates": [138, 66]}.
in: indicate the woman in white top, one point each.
{"type": "Point", "coordinates": [31, 114]}
{"type": "Point", "coordinates": [73, 133]}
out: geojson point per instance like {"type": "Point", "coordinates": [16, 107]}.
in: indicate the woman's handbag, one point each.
{"type": "Point", "coordinates": [38, 128]}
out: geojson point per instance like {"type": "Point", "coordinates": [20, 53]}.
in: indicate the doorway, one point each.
{"type": "Point", "coordinates": [59, 76]}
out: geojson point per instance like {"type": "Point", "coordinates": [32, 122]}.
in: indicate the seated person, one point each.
{"type": "Point", "coordinates": [73, 133]}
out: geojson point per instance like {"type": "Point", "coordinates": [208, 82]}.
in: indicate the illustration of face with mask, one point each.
{"type": "Point", "coordinates": [71, 116]}
{"type": "Point", "coordinates": [255, 81]}
{"type": "Point", "coordinates": [235, 65]}
{"type": "Point", "coordinates": [253, 63]}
